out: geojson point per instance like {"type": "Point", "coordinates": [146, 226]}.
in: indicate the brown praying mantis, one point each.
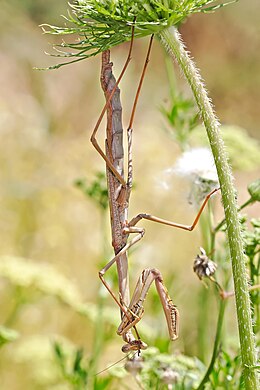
{"type": "Point", "coordinates": [119, 190]}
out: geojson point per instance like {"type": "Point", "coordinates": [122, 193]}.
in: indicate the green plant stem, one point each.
{"type": "Point", "coordinates": [204, 301]}
{"type": "Point", "coordinates": [171, 40]}
{"type": "Point", "coordinates": [205, 379]}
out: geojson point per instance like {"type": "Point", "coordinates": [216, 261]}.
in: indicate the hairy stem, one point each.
{"type": "Point", "coordinates": [171, 40]}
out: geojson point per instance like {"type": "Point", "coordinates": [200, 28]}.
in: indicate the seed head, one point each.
{"type": "Point", "coordinates": [203, 266]}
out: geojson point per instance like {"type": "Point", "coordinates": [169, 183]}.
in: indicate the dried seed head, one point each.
{"type": "Point", "coordinates": [203, 266]}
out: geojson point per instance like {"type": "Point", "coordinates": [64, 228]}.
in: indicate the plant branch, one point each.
{"type": "Point", "coordinates": [171, 40]}
{"type": "Point", "coordinates": [228, 294]}
{"type": "Point", "coordinates": [221, 223]}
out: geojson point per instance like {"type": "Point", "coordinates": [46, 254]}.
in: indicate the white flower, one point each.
{"type": "Point", "coordinates": [196, 163]}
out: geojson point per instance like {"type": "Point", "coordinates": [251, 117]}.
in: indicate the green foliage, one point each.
{"type": "Point", "coordinates": [72, 371]}
{"type": "Point", "coordinates": [101, 25]}
{"type": "Point", "coordinates": [96, 190]}
{"type": "Point", "coordinates": [252, 239]}
{"type": "Point", "coordinates": [161, 370]}
{"type": "Point", "coordinates": [54, 362]}
{"type": "Point", "coordinates": [181, 112]}
{"type": "Point", "coordinates": [182, 117]}
{"type": "Point", "coordinates": [227, 373]}
{"type": "Point", "coordinates": [254, 190]}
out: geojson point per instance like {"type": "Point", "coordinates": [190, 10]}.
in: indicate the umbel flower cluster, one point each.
{"type": "Point", "coordinates": [102, 24]}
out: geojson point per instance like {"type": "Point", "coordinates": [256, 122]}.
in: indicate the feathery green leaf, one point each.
{"type": "Point", "coordinates": [102, 24]}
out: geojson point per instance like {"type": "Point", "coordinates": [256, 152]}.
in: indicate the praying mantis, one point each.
{"type": "Point", "coordinates": [119, 190]}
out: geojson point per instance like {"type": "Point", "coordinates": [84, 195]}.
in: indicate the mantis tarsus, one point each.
{"type": "Point", "coordinates": [119, 191]}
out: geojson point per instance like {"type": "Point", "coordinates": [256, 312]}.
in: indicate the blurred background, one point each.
{"type": "Point", "coordinates": [46, 118]}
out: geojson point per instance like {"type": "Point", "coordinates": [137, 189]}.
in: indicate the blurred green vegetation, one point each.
{"type": "Point", "coordinates": [45, 124]}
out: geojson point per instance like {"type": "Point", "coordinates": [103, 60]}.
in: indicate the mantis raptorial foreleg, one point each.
{"type": "Point", "coordinates": [136, 310]}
